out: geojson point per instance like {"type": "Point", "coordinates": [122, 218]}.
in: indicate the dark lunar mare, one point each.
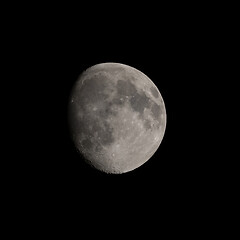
{"type": "Point", "coordinates": [125, 88]}
{"type": "Point", "coordinates": [138, 100]}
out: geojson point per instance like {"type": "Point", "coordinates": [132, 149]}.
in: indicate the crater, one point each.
{"type": "Point", "coordinates": [147, 124]}
{"type": "Point", "coordinates": [98, 148]}
{"type": "Point", "coordinates": [106, 111]}
{"type": "Point", "coordinates": [87, 144]}
{"type": "Point", "coordinates": [114, 68]}
{"type": "Point", "coordinates": [92, 91]}
{"type": "Point", "coordinates": [156, 111]}
{"type": "Point", "coordinates": [154, 92]}
{"type": "Point", "coordinates": [105, 134]}
{"type": "Point", "coordinates": [119, 100]}
{"type": "Point", "coordinates": [93, 130]}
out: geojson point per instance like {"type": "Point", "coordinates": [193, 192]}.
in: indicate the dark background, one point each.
{"type": "Point", "coordinates": [176, 50]}
{"type": "Point", "coordinates": [173, 58]}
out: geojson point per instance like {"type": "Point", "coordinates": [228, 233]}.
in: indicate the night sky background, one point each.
{"type": "Point", "coordinates": [175, 51]}
{"type": "Point", "coordinates": [171, 58]}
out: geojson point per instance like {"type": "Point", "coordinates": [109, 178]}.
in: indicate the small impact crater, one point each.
{"type": "Point", "coordinates": [92, 91]}
{"type": "Point", "coordinates": [105, 134]}
{"type": "Point", "coordinates": [154, 92]}
{"type": "Point", "coordinates": [156, 111]}
{"type": "Point", "coordinates": [87, 144]}
{"type": "Point", "coordinates": [147, 124]}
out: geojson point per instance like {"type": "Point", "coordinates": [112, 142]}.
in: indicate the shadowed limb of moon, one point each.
{"type": "Point", "coordinates": [117, 117]}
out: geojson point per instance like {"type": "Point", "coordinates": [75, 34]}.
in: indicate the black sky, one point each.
{"type": "Point", "coordinates": [174, 51]}
{"type": "Point", "coordinates": [172, 59]}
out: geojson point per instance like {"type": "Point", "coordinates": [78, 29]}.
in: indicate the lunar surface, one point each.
{"type": "Point", "coordinates": [117, 117]}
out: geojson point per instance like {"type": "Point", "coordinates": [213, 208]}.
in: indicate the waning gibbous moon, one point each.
{"type": "Point", "coordinates": [117, 117]}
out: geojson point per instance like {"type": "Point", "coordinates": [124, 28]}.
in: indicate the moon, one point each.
{"type": "Point", "coordinates": [117, 117]}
